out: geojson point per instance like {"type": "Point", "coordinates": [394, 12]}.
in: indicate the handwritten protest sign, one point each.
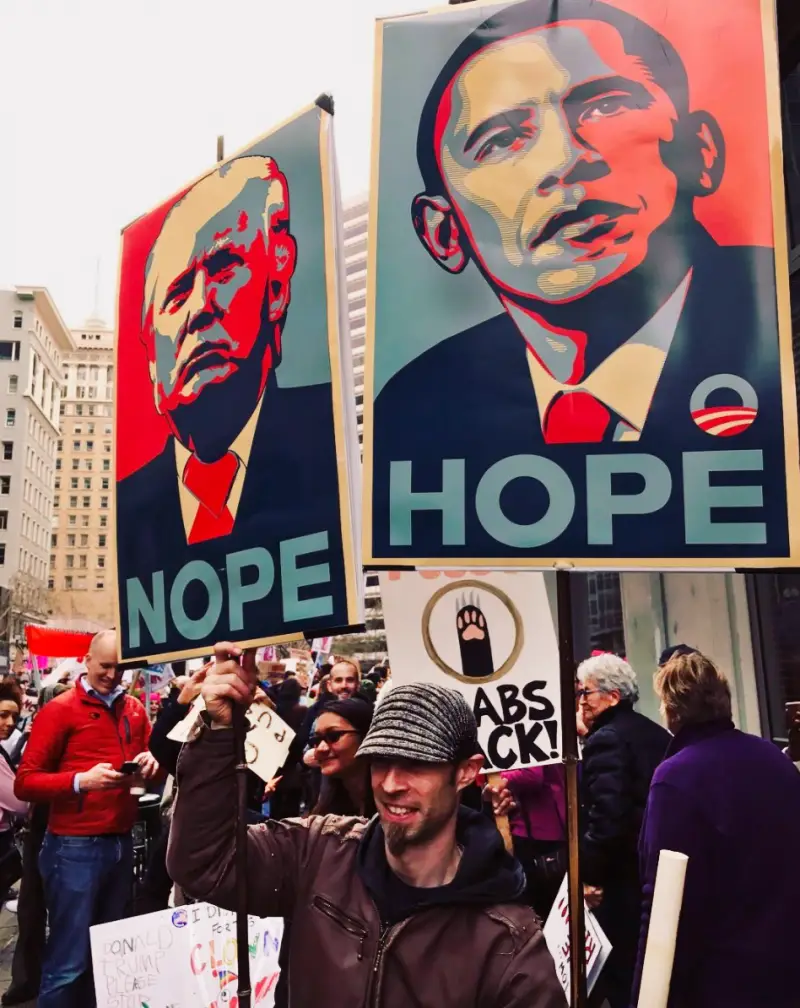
{"type": "Point", "coordinates": [491, 636]}
{"type": "Point", "coordinates": [268, 737]}
{"type": "Point", "coordinates": [182, 958]}
{"type": "Point", "coordinates": [556, 934]}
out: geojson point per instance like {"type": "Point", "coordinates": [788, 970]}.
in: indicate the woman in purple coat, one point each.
{"type": "Point", "coordinates": [731, 802]}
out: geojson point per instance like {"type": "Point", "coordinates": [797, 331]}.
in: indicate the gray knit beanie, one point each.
{"type": "Point", "coordinates": [422, 722]}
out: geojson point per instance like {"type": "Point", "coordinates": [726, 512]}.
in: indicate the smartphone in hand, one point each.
{"type": "Point", "coordinates": [129, 768]}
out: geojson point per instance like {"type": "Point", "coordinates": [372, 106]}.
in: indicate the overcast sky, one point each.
{"type": "Point", "coordinates": [108, 106]}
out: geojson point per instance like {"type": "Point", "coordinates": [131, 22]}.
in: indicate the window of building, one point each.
{"type": "Point", "coordinates": [81, 372]}
{"type": "Point", "coordinates": [104, 502]}
{"type": "Point", "coordinates": [107, 446]}
{"type": "Point", "coordinates": [3, 520]}
{"type": "Point", "coordinates": [51, 583]}
{"type": "Point", "coordinates": [70, 561]}
{"type": "Point", "coordinates": [2, 553]}
{"type": "Point", "coordinates": [57, 483]}
{"type": "Point", "coordinates": [11, 417]}
{"type": "Point", "coordinates": [13, 384]}
{"type": "Point", "coordinates": [107, 429]}
{"type": "Point", "coordinates": [76, 464]}
{"type": "Point", "coordinates": [73, 482]}
{"type": "Point", "coordinates": [82, 560]}
{"type": "Point", "coordinates": [103, 521]}
{"type": "Point", "coordinates": [84, 540]}
{"type": "Point", "coordinates": [76, 446]}
{"type": "Point", "coordinates": [68, 583]}
{"type": "Point", "coordinates": [87, 483]}
{"type": "Point", "coordinates": [87, 502]}
{"type": "Point", "coordinates": [89, 464]}
{"type": "Point", "coordinates": [52, 559]}
{"type": "Point", "coordinates": [84, 521]}
{"type": "Point", "coordinates": [106, 465]}
{"type": "Point", "coordinates": [73, 502]}
{"type": "Point", "coordinates": [71, 519]}
{"type": "Point", "coordinates": [90, 428]}
{"type": "Point", "coordinates": [78, 410]}
{"type": "Point", "coordinates": [5, 485]}
{"type": "Point", "coordinates": [17, 319]}
{"type": "Point", "coordinates": [90, 446]}
{"type": "Point", "coordinates": [101, 561]}
{"type": "Point", "coordinates": [77, 429]}
{"type": "Point", "coordinates": [100, 585]}
{"type": "Point", "coordinates": [90, 411]}
{"type": "Point", "coordinates": [101, 540]}
{"type": "Point", "coordinates": [8, 451]}
{"type": "Point", "coordinates": [104, 483]}
{"type": "Point", "coordinates": [9, 350]}
{"type": "Point", "coordinates": [58, 464]}
{"type": "Point", "coordinates": [71, 539]}
{"type": "Point", "coordinates": [80, 392]}
{"type": "Point", "coordinates": [60, 445]}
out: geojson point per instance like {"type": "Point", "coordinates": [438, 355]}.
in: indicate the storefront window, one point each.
{"type": "Point", "coordinates": [775, 613]}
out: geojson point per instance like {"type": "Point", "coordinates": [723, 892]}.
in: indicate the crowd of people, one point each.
{"type": "Point", "coordinates": [376, 841]}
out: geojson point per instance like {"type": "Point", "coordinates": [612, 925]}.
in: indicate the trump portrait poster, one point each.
{"type": "Point", "coordinates": [579, 341]}
{"type": "Point", "coordinates": [234, 511]}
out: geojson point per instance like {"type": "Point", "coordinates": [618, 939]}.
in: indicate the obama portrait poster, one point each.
{"type": "Point", "coordinates": [579, 342]}
{"type": "Point", "coordinates": [234, 514]}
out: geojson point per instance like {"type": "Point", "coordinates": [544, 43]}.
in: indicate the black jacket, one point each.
{"type": "Point", "coordinates": [620, 756]}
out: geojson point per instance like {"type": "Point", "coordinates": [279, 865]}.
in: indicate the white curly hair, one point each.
{"type": "Point", "coordinates": [610, 672]}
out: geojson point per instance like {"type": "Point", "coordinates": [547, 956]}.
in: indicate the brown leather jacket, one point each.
{"type": "Point", "coordinates": [340, 956]}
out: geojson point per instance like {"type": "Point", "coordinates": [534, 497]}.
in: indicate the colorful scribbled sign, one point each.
{"type": "Point", "coordinates": [183, 957]}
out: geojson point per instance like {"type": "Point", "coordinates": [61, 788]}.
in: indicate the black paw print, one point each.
{"type": "Point", "coordinates": [473, 639]}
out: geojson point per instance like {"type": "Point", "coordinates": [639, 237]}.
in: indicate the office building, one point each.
{"type": "Point", "coordinates": [33, 343]}
{"type": "Point", "coordinates": [81, 557]}
{"type": "Point", "coordinates": [355, 252]}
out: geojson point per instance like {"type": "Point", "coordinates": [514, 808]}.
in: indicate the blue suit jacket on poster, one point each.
{"type": "Point", "coordinates": [290, 490]}
{"type": "Point", "coordinates": [471, 397]}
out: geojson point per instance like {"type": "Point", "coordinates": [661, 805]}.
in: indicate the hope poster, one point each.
{"type": "Point", "coordinates": [579, 339]}
{"type": "Point", "coordinates": [235, 415]}
{"type": "Point", "coordinates": [493, 638]}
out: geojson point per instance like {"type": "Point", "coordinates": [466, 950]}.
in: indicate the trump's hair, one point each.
{"type": "Point", "coordinates": [230, 181]}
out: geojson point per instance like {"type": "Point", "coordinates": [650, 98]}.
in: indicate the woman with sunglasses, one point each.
{"type": "Point", "coordinates": [337, 734]}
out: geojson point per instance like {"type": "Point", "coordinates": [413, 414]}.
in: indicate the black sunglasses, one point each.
{"type": "Point", "coordinates": [331, 737]}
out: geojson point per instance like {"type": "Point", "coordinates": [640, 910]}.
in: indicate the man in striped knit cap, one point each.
{"type": "Point", "coordinates": [418, 906]}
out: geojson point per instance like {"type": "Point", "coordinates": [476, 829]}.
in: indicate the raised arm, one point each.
{"type": "Point", "coordinates": [201, 856]}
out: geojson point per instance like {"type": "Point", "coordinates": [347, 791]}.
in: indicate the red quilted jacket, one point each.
{"type": "Point", "coordinates": [70, 735]}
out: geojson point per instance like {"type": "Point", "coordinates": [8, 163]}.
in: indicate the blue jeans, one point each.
{"type": "Point", "coordinates": [87, 880]}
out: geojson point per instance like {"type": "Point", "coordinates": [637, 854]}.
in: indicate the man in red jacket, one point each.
{"type": "Point", "coordinates": [72, 763]}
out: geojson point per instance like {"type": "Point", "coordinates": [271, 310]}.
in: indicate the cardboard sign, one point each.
{"type": "Point", "coordinates": [182, 958]}
{"type": "Point", "coordinates": [491, 636]}
{"type": "Point", "coordinates": [578, 347]}
{"type": "Point", "coordinates": [234, 362]}
{"type": "Point", "coordinates": [556, 934]}
{"type": "Point", "coordinates": [268, 737]}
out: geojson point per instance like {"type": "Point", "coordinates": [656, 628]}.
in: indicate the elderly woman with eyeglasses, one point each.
{"type": "Point", "coordinates": [621, 751]}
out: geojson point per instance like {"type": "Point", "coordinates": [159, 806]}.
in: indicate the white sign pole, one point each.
{"type": "Point", "coordinates": [663, 931]}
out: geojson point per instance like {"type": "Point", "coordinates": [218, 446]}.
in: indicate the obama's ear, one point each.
{"type": "Point", "coordinates": [698, 154]}
{"type": "Point", "coordinates": [439, 231]}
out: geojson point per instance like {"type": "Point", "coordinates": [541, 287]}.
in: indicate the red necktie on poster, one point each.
{"type": "Point", "coordinates": [210, 483]}
{"type": "Point", "coordinates": [576, 418]}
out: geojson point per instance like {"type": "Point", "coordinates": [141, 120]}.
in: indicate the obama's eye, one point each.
{"type": "Point", "coordinates": [606, 106]}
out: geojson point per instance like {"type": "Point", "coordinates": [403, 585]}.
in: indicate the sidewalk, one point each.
{"type": "Point", "coordinates": [8, 939]}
